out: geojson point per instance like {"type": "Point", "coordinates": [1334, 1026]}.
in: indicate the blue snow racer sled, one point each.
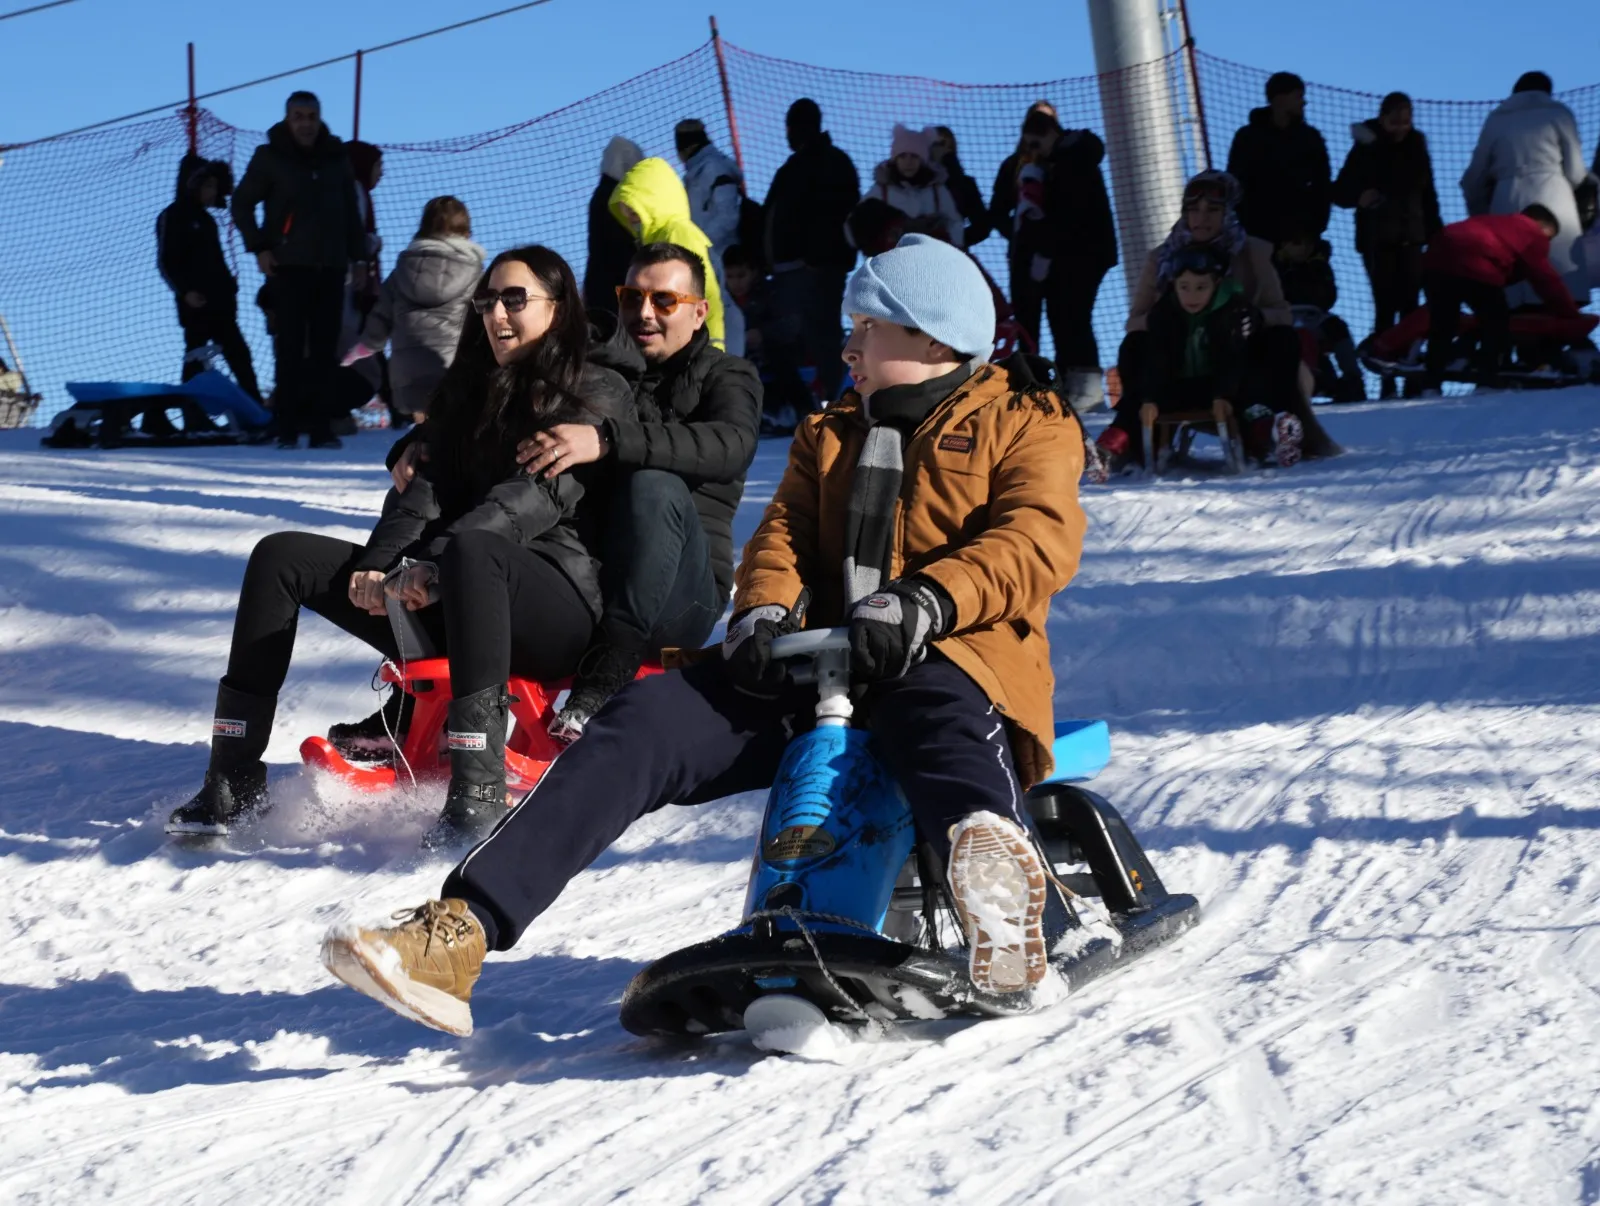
{"type": "Point", "coordinates": [847, 912]}
{"type": "Point", "coordinates": [212, 409]}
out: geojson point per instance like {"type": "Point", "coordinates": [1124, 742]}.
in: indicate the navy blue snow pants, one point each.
{"type": "Point", "coordinates": [690, 736]}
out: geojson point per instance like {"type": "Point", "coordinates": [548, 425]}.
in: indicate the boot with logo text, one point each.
{"type": "Point", "coordinates": [236, 781]}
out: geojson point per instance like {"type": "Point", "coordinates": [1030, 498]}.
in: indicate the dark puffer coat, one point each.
{"type": "Point", "coordinates": [1284, 178]}
{"type": "Point", "coordinates": [1401, 173]}
{"type": "Point", "coordinates": [312, 220]}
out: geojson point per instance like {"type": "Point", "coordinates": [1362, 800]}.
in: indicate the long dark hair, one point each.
{"type": "Point", "coordinates": [482, 409]}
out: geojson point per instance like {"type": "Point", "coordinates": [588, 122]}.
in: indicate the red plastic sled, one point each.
{"type": "Point", "coordinates": [1396, 342]}
{"type": "Point", "coordinates": [529, 750]}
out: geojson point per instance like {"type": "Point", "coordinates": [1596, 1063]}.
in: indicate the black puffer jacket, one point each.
{"type": "Point", "coordinates": [697, 415]}
{"type": "Point", "coordinates": [539, 514]}
{"type": "Point", "coordinates": [810, 199]}
{"type": "Point", "coordinates": [1402, 174]}
{"type": "Point", "coordinates": [188, 248]}
{"type": "Point", "coordinates": [312, 220]}
{"type": "Point", "coordinates": [1284, 178]}
{"type": "Point", "coordinates": [1077, 232]}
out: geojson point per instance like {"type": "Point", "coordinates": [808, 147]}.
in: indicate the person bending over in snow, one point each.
{"type": "Point", "coordinates": [934, 509]}
{"type": "Point", "coordinates": [1197, 354]}
{"type": "Point", "coordinates": [1472, 263]}
{"type": "Point", "coordinates": [502, 581]}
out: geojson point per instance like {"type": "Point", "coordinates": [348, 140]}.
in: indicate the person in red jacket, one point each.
{"type": "Point", "coordinates": [1472, 263]}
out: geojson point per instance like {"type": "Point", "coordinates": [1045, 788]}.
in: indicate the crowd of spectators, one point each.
{"type": "Point", "coordinates": [777, 266]}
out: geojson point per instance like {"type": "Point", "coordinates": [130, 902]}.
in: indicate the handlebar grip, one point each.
{"type": "Point", "coordinates": [810, 643]}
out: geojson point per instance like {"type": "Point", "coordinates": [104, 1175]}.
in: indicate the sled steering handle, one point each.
{"type": "Point", "coordinates": [810, 643]}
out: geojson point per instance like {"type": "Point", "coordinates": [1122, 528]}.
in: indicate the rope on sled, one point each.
{"type": "Point", "coordinates": [798, 918]}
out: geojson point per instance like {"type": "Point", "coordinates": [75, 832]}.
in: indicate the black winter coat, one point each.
{"type": "Point", "coordinates": [969, 200]}
{"type": "Point", "coordinates": [1226, 336]}
{"type": "Point", "coordinates": [1077, 232]}
{"type": "Point", "coordinates": [1284, 178]}
{"type": "Point", "coordinates": [189, 249]}
{"type": "Point", "coordinates": [697, 415]}
{"type": "Point", "coordinates": [312, 219]}
{"type": "Point", "coordinates": [1402, 172]}
{"type": "Point", "coordinates": [611, 249]}
{"type": "Point", "coordinates": [810, 199]}
{"type": "Point", "coordinates": [538, 514]}
{"type": "Point", "coordinates": [1309, 282]}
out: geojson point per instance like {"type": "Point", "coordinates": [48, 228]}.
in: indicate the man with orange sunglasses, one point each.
{"type": "Point", "coordinates": [681, 457]}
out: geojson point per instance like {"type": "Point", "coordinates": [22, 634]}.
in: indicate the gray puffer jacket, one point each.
{"type": "Point", "coordinates": [420, 312]}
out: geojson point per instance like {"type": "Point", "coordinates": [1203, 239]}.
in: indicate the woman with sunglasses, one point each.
{"type": "Point", "coordinates": [488, 557]}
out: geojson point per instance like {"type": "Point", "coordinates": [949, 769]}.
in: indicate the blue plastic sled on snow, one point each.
{"type": "Point", "coordinates": [213, 409]}
{"type": "Point", "coordinates": [847, 909]}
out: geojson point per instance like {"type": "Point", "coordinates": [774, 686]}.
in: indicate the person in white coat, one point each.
{"type": "Point", "coordinates": [1529, 154]}
{"type": "Point", "coordinates": [716, 193]}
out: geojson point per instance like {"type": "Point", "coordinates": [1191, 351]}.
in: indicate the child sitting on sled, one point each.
{"type": "Point", "coordinates": [934, 510]}
{"type": "Point", "coordinates": [1198, 353]}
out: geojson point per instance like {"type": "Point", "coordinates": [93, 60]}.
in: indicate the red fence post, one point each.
{"type": "Point", "coordinates": [355, 122]}
{"type": "Point", "coordinates": [193, 113]}
{"type": "Point", "coordinates": [1194, 80]}
{"type": "Point", "coordinates": [727, 95]}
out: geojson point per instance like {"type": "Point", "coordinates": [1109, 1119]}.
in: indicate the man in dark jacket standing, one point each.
{"type": "Point", "coordinates": [681, 457]}
{"type": "Point", "coordinates": [810, 199]}
{"type": "Point", "coordinates": [1063, 242]}
{"type": "Point", "coordinates": [1281, 164]}
{"type": "Point", "coordinates": [1387, 179]}
{"type": "Point", "coordinates": [311, 235]}
{"type": "Point", "coordinates": [189, 253]}
{"type": "Point", "coordinates": [610, 243]}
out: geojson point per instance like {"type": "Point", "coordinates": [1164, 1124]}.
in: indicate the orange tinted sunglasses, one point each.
{"type": "Point", "coordinates": [662, 301]}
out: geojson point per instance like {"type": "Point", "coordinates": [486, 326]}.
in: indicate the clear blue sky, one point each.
{"type": "Point", "coordinates": [100, 58]}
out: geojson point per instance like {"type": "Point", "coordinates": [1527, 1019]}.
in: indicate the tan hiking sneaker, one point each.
{"type": "Point", "coordinates": [423, 969]}
{"type": "Point", "coordinates": [998, 884]}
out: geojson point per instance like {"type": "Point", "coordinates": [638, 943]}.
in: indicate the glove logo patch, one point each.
{"type": "Point", "coordinates": [798, 842]}
{"type": "Point", "coordinates": [468, 741]}
{"type": "Point", "coordinates": [227, 728]}
{"type": "Point", "coordinates": [955, 443]}
{"type": "Point", "coordinates": [879, 601]}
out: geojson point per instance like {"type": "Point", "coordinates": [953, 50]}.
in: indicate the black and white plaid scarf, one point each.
{"type": "Point", "coordinates": [893, 413]}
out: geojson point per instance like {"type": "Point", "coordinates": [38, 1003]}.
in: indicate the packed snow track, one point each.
{"type": "Point", "coordinates": [1354, 711]}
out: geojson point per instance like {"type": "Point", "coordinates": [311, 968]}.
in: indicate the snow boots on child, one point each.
{"type": "Point", "coordinates": [476, 736]}
{"type": "Point", "coordinates": [236, 781]}
{"type": "Point", "coordinates": [423, 969]}
{"type": "Point", "coordinates": [997, 881]}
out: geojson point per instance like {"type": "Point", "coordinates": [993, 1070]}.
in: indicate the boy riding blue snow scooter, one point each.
{"type": "Point", "coordinates": [933, 510]}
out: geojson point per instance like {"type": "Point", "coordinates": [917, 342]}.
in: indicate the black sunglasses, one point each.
{"type": "Point", "coordinates": [515, 299]}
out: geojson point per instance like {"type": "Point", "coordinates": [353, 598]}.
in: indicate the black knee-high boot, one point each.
{"type": "Point", "coordinates": [236, 780]}
{"type": "Point", "coordinates": [477, 741]}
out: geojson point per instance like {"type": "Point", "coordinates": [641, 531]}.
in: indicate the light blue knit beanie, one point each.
{"type": "Point", "coordinates": [924, 282]}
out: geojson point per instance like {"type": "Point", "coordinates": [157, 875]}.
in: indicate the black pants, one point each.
{"type": "Point", "coordinates": [689, 737]}
{"type": "Point", "coordinates": [1446, 296]}
{"type": "Point", "coordinates": [307, 312]}
{"type": "Point", "coordinates": [1395, 273]}
{"type": "Point", "coordinates": [809, 299]}
{"type": "Point", "coordinates": [1067, 296]}
{"type": "Point", "coordinates": [218, 322]}
{"type": "Point", "coordinates": [503, 610]}
{"type": "Point", "coordinates": [657, 580]}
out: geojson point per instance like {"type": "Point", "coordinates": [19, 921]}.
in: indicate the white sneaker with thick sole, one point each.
{"type": "Point", "coordinates": [998, 884]}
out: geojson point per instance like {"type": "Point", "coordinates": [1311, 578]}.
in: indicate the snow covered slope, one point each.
{"type": "Point", "coordinates": [1355, 712]}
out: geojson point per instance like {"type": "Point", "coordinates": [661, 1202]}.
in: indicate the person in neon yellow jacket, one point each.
{"type": "Point", "coordinates": [651, 202]}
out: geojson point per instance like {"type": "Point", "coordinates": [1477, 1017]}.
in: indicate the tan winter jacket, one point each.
{"type": "Point", "coordinates": [1252, 268]}
{"type": "Point", "coordinates": [988, 509]}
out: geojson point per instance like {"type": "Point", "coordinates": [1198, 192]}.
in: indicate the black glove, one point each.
{"type": "Point", "coordinates": [890, 630]}
{"type": "Point", "coordinates": [747, 648]}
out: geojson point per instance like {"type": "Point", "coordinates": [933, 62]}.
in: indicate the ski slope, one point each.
{"type": "Point", "coordinates": [1354, 709]}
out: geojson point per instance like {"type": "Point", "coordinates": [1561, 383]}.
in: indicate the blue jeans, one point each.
{"type": "Point", "coordinates": [656, 569]}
